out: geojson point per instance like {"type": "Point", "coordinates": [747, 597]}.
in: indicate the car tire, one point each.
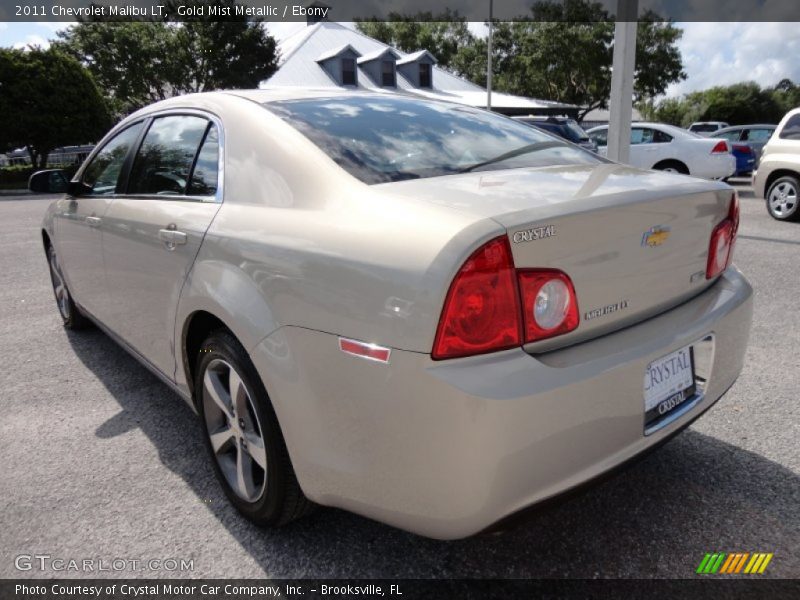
{"type": "Point", "coordinates": [243, 437]}
{"type": "Point", "coordinates": [782, 199]}
{"type": "Point", "coordinates": [672, 166]}
{"type": "Point", "coordinates": [71, 315]}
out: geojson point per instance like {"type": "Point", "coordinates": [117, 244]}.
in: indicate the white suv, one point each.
{"type": "Point", "coordinates": [777, 175]}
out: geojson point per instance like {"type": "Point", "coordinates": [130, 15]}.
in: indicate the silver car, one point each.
{"type": "Point", "coordinates": [423, 313]}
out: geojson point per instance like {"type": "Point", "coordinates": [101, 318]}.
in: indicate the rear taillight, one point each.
{"type": "Point", "coordinates": [483, 313]}
{"type": "Point", "coordinates": [549, 305]}
{"type": "Point", "coordinates": [742, 148]}
{"type": "Point", "coordinates": [720, 148]}
{"type": "Point", "coordinates": [723, 241]}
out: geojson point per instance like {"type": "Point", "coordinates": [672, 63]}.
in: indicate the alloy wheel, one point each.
{"type": "Point", "coordinates": [234, 430]}
{"type": "Point", "coordinates": [783, 199]}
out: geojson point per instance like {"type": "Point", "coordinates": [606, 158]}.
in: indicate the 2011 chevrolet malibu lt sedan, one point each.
{"type": "Point", "coordinates": [423, 313]}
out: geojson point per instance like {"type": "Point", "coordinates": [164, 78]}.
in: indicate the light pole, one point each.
{"type": "Point", "coordinates": [623, 69]}
{"type": "Point", "coordinates": [489, 60]}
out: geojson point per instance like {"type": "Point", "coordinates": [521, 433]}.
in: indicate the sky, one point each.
{"type": "Point", "coordinates": [713, 53]}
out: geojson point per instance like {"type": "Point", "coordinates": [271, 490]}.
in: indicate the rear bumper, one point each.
{"type": "Point", "coordinates": [446, 449]}
{"type": "Point", "coordinates": [716, 167]}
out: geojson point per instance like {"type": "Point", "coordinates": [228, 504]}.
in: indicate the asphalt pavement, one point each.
{"type": "Point", "coordinates": [101, 461]}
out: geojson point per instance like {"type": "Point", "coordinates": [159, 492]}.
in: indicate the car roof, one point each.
{"type": "Point", "coordinates": [542, 119]}
{"type": "Point", "coordinates": [753, 126]}
{"type": "Point", "coordinates": [666, 127]}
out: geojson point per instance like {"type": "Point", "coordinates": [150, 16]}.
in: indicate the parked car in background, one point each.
{"type": "Point", "coordinates": [706, 128]}
{"type": "Point", "coordinates": [668, 148]}
{"type": "Point", "coordinates": [746, 141]}
{"type": "Point", "coordinates": [430, 315]}
{"type": "Point", "coordinates": [563, 127]}
{"type": "Point", "coordinates": [777, 175]}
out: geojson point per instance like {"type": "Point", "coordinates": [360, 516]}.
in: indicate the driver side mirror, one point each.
{"type": "Point", "coordinates": [51, 181]}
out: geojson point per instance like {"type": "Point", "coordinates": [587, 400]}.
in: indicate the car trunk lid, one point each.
{"type": "Point", "coordinates": [634, 243]}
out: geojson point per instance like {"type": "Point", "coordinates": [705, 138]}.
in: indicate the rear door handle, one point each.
{"type": "Point", "coordinates": [93, 221]}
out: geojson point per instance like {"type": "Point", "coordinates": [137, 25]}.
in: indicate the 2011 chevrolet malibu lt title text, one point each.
{"type": "Point", "coordinates": [423, 313]}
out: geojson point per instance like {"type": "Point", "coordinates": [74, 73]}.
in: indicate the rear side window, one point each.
{"type": "Point", "coordinates": [164, 162]}
{"type": "Point", "coordinates": [791, 131]}
{"type": "Point", "coordinates": [758, 135]}
{"type": "Point", "coordinates": [204, 175]}
{"type": "Point", "coordinates": [659, 137]}
{"type": "Point", "coordinates": [101, 176]}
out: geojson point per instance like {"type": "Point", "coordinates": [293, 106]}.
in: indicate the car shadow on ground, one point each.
{"type": "Point", "coordinates": [697, 494]}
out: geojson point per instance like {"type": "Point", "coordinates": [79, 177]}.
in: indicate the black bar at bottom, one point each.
{"type": "Point", "coordinates": [747, 586]}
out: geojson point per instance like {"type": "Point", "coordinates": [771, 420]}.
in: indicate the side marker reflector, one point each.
{"type": "Point", "coordinates": [365, 350]}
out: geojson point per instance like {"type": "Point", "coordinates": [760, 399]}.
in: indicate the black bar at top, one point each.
{"type": "Point", "coordinates": [430, 10]}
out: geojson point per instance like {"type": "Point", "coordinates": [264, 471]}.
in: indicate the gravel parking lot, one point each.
{"type": "Point", "coordinates": [102, 461]}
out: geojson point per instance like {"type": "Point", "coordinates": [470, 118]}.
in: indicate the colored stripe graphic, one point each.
{"type": "Point", "coordinates": [740, 564]}
{"type": "Point", "coordinates": [764, 564]}
{"type": "Point", "coordinates": [733, 562]}
{"type": "Point", "coordinates": [703, 563]}
{"type": "Point", "coordinates": [718, 564]}
{"type": "Point", "coordinates": [730, 561]}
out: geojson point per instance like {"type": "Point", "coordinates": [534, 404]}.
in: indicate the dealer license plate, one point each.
{"type": "Point", "coordinates": [668, 383]}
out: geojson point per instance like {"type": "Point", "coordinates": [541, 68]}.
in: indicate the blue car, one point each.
{"type": "Point", "coordinates": [746, 142]}
{"type": "Point", "coordinates": [745, 159]}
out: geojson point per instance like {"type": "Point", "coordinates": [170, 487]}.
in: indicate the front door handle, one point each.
{"type": "Point", "coordinates": [93, 221]}
{"type": "Point", "coordinates": [171, 237]}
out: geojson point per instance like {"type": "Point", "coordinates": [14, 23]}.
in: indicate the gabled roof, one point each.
{"type": "Point", "coordinates": [377, 54]}
{"type": "Point", "coordinates": [415, 56]}
{"type": "Point", "coordinates": [337, 52]}
{"type": "Point", "coordinates": [301, 52]}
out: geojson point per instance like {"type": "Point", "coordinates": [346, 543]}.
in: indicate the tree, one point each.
{"type": "Point", "coordinates": [563, 51]}
{"type": "Point", "coordinates": [141, 62]}
{"type": "Point", "coordinates": [48, 100]}
{"type": "Point", "coordinates": [737, 104]}
{"type": "Point", "coordinates": [786, 94]}
{"type": "Point", "coordinates": [443, 34]}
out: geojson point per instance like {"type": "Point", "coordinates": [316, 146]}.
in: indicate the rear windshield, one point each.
{"type": "Point", "coordinates": [703, 128]}
{"type": "Point", "coordinates": [576, 133]}
{"type": "Point", "coordinates": [383, 139]}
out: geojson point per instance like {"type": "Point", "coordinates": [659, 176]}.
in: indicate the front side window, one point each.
{"type": "Point", "coordinates": [164, 162]}
{"type": "Point", "coordinates": [348, 71]}
{"type": "Point", "coordinates": [425, 75]}
{"type": "Point", "coordinates": [379, 139]}
{"type": "Point", "coordinates": [387, 73]}
{"type": "Point", "coordinates": [731, 136]}
{"type": "Point", "coordinates": [101, 176]}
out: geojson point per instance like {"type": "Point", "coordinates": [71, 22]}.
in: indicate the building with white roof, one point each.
{"type": "Point", "coordinates": [325, 54]}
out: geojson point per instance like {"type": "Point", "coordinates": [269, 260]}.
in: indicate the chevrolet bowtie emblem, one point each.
{"type": "Point", "coordinates": [655, 236]}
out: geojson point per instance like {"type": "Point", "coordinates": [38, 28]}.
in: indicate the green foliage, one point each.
{"type": "Point", "coordinates": [16, 176]}
{"type": "Point", "coordinates": [48, 100]}
{"type": "Point", "coordinates": [562, 51]}
{"type": "Point", "coordinates": [138, 63]}
{"type": "Point", "coordinates": [786, 94]}
{"type": "Point", "coordinates": [444, 34]}
{"type": "Point", "coordinates": [737, 104]}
